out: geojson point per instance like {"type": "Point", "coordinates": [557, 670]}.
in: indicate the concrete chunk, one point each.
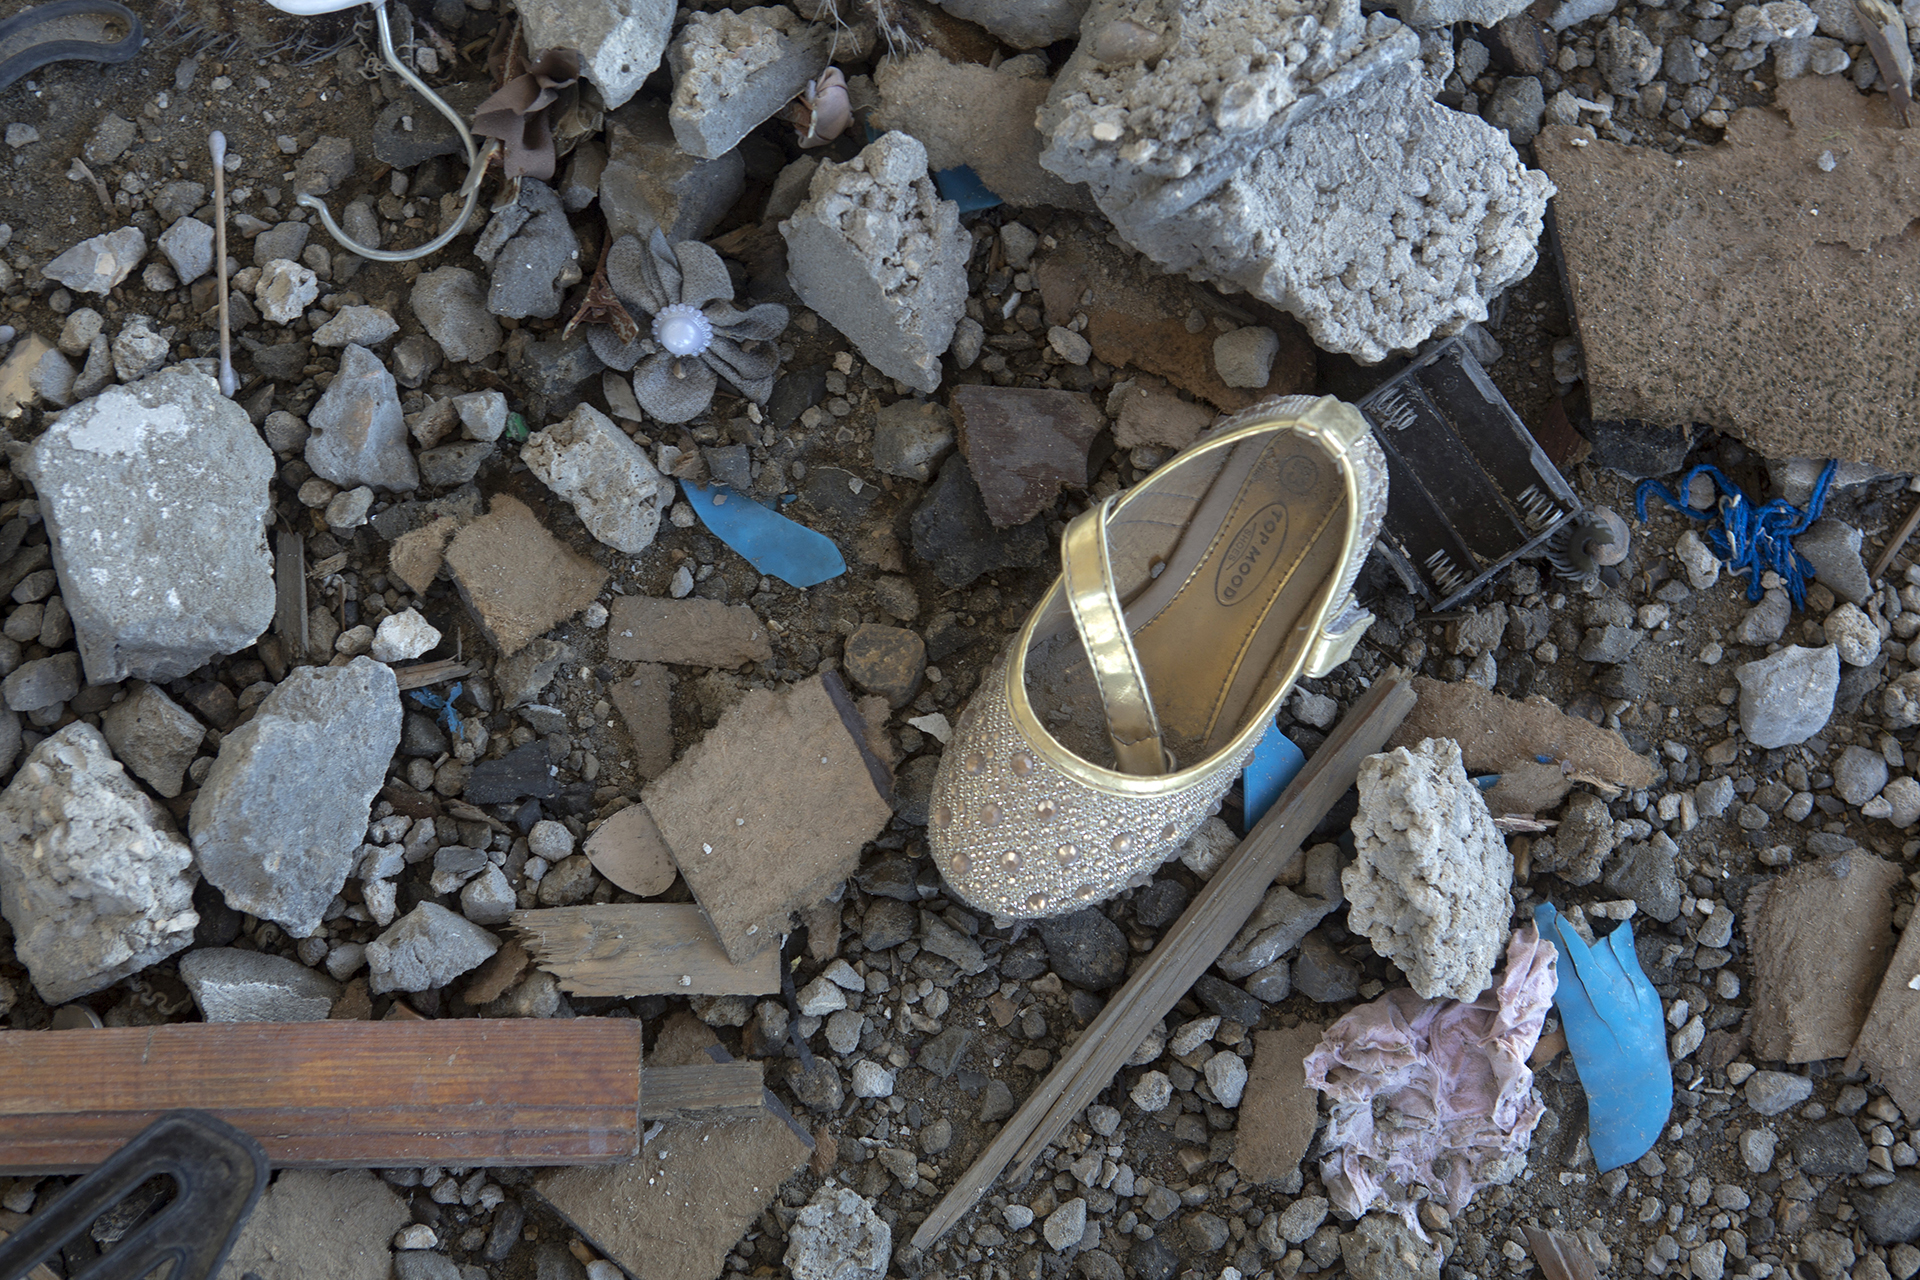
{"type": "Point", "coordinates": [620, 41]}
{"type": "Point", "coordinates": [284, 809]}
{"type": "Point", "coordinates": [359, 435]}
{"type": "Point", "coordinates": [92, 877]}
{"type": "Point", "coordinates": [882, 258]}
{"type": "Point", "coordinates": [312, 1224]}
{"type": "Point", "coordinates": [606, 477]}
{"type": "Point", "coordinates": [768, 812]}
{"type": "Point", "coordinates": [231, 985]}
{"type": "Point", "coordinates": [155, 588]}
{"type": "Point", "coordinates": [733, 69]}
{"type": "Point", "coordinates": [649, 181]}
{"type": "Point", "coordinates": [153, 736]}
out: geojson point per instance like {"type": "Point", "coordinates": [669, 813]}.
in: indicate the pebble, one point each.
{"type": "Point", "coordinates": [1065, 1225]}
{"type": "Point", "coordinates": [1858, 775]}
{"type": "Point", "coordinates": [1152, 1092]}
{"type": "Point", "coordinates": [285, 291]}
{"type": "Point", "coordinates": [1244, 358]}
{"type": "Point", "coordinates": [818, 999]}
{"type": "Point", "coordinates": [1771, 1092]}
{"type": "Point", "coordinates": [871, 1080]}
{"type": "Point", "coordinates": [1226, 1074]}
{"type": "Point", "coordinates": [1852, 633]}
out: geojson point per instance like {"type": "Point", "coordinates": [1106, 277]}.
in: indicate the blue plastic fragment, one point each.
{"type": "Point", "coordinates": [1485, 781]}
{"type": "Point", "coordinates": [1618, 1038]}
{"type": "Point", "coordinates": [434, 702]}
{"type": "Point", "coordinates": [962, 185]}
{"type": "Point", "coordinates": [1275, 763]}
{"type": "Point", "coordinates": [770, 542]}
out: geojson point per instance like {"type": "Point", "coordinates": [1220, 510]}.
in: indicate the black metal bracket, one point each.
{"type": "Point", "coordinates": [217, 1173]}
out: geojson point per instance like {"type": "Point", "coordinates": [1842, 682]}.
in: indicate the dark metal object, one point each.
{"type": "Point", "coordinates": [217, 1173]}
{"type": "Point", "coordinates": [67, 29]}
{"type": "Point", "coordinates": [1469, 490]}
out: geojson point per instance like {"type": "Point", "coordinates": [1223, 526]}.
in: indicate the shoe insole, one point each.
{"type": "Point", "coordinates": [1241, 576]}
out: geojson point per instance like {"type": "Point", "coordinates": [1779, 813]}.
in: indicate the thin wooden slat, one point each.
{"type": "Point", "coordinates": [332, 1094]}
{"type": "Point", "coordinates": [290, 591]}
{"type": "Point", "coordinates": [422, 674]}
{"type": "Point", "coordinates": [722, 1090]}
{"type": "Point", "coordinates": [1195, 941]}
{"type": "Point", "coordinates": [640, 949]}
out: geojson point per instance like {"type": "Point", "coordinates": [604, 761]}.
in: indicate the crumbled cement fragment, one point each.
{"type": "Point", "coordinates": [92, 878]}
{"type": "Point", "coordinates": [597, 467]}
{"type": "Point", "coordinates": [1430, 878]}
{"type": "Point", "coordinates": [1451, 215]}
{"type": "Point", "coordinates": [882, 258]}
{"type": "Point", "coordinates": [231, 985]}
{"type": "Point", "coordinates": [734, 69]}
{"type": "Point", "coordinates": [981, 117]}
{"type": "Point", "coordinates": [1163, 102]}
{"type": "Point", "coordinates": [156, 587]}
{"type": "Point", "coordinates": [282, 813]}
{"type": "Point", "coordinates": [620, 41]}
{"type": "Point", "coordinates": [426, 948]}
{"type": "Point", "coordinates": [1024, 24]}
{"type": "Point", "coordinates": [838, 1236]}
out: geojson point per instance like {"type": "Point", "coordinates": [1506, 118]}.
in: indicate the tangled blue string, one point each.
{"type": "Point", "coordinates": [1750, 539]}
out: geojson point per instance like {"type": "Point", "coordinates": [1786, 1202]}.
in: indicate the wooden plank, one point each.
{"type": "Point", "coordinates": [330, 1095]}
{"type": "Point", "coordinates": [290, 591]}
{"type": "Point", "coordinates": [717, 1090]}
{"type": "Point", "coordinates": [1195, 941]}
{"type": "Point", "coordinates": [640, 949]}
{"type": "Point", "coordinates": [422, 674]}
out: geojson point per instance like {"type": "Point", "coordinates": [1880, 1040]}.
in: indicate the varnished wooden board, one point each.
{"type": "Point", "coordinates": [332, 1094]}
{"type": "Point", "coordinates": [641, 949]}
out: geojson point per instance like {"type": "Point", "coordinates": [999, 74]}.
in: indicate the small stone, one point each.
{"type": "Point", "coordinates": [1244, 357]}
{"type": "Point", "coordinates": [188, 245]}
{"type": "Point", "coordinates": [1853, 634]}
{"type": "Point", "coordinates": [365, 326]}
{"type": "Point", "coordinates": [427, 948]}
{"type": "Point", "coordinates": [607, 478]}
{"type": "Point", "coordinates": [1772, 1092]}
{"type": "Point", "coordinates": [1086, 949]}
{"type": "Point", "coordinates": [889, 661]}
{"type": "Point", "coordinates": [403, 636]}
{"type": "Point", "coordinates": [153, 736]}
{"type": "Point", "coordinates": [452, 305]}
{"type": "Point", "coordinates": [358, 434]}
{"type": "Point", "coordinates": [871, 1080]}
{"type": "Point", "coordinates": [1858, 775]}
{"type": "Point", "coordinates": [348, 509]}
{"type": "Point", "coordinates": [1024, 445]}
{"type": "Point", "coordinates": [1226, 1075]}
{"type": "Point", "coordinates": [1787, 697]}
{"type": "Point", "coordinates": [285, 290]}
{"type": "Point", "coordinates": [1152, 1092]}
{"type": "Point", "coordinates": [250, 986]}
{"type": "Point", "coordinates": [838, 1236]}
{"type": "Point", "coordinates": [1065, 1225]}
{"type": "Point", "coordinates": [101, 263]}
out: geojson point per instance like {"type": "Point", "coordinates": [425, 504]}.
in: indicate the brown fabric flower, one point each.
{"type": "Point", "coordinates": [517, 114]}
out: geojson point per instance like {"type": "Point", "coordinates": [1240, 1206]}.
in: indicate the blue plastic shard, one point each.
{"type": "Point", "coordinates": [962, 185]}
{"type": "Point", "coordinates": [1275, 763]}
{"type": "Point", "coordinates": [770, 542]}
{"type": "Point", "coordinates": [1618, 1038]}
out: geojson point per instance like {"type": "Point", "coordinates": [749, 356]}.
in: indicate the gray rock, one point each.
{"type": "Point", "coordinates": [1444, 13]}
{"type": "Point", "coordinates": [364, 326]}
{"type": "Point", "coordinates": [155, 588]}
{"type": "Point", "coordinates": [1086, 949]}
{"type": "Point", "coordinates": [1767, 621]}
{"type": "Point", "coordinates": [911, 438]}
{"type": "Point", "coordinates": [452, 465]}
{"type": "Point", "coordinates": [426, 948]}
{"type": "Point", "coordinates": [1570, 13]}
{"type": "Point", "coordinates": [1891, 1214]}
{"type": "Point", "coordinates": [1024, 24]}
{"type": "Point", "coordinates": [153, 736]}
{"type": "Point", "coordinates": [1272, 984]}
{"type": "Point", "coordinates": [101, 263]}
{"type": "Point", "coordinates": [92, 877]}
{"type": "Point", "coordinates": [285, 290]}
{"type": "Point", "coordinates": [603, 475]}
{"type": "Point", "coordinates": [1517, 106]}
{"type": "Point", "coordinates": [324, 165]}
{"type": "Point", "coordinates": [283, 240]}
{"type": "Point", "coordinates": [1382, 1246]}
{"type": "Point", "coordinates": [1625, 58]}
{"type": "Point", "coordinates": [1065, 1225]}
{"type": "Point", "coordinates": [1833, 549]}
{"type": "Point", "coordinates": [52, 379]}
{"type": "Point", "coordinates": [251, 986]}
{"type": "Point", "coordinates": [138, 350]}
{"type": "Point", "coordinates": [1612, 643]}
{"type": "Point", "coordinates": [1771, 1092]}
{"type": "Point", "coordinates": [1431, 875]}
{"type": "Point", "coordinates": [1286, 915]}
{"type": "Point", "coordinates": [620, 41]}
{"type": "Point", "coordinates": [1831, 1150]}
{"type": "Point", "coordinates": [882, 258]}
{"type": "Point", "coordinates": [1645, 872]}
{"type": "Point", "coordinates": [452, 305]}
{"type": "Point", "coordinates": [733, 70]}
{"type": "Point", "coordinates": [1244, 357]}
{"type": "Point", "coordinates": [1322, 974]}
{"type": "Point", "coordinates": [1583, 841]}
{"type": "Point", "coordinates": [1787, 697]}
{"type": "Point", "coordinates": [1858, 775]}
{"type": "Point", "coordinates": [534, 268]}
{"type": "Point", "coordinates": [838, 1236]}
{"type": "Point", "coordinates": [42, 683]}
{"type": "Point", "coordinates": [321, 1225]}
{"type": "Point", "coordinates": [188, 245]}
{"type": "Point", "coordinates": [358, 434]}
{"type": "Point", "coordinates": [283, 811]}
{"type": "Point", "coordinates": [649, 181]}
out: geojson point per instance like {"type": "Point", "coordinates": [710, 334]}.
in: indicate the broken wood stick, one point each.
{"type": "Point", "coordinates": [1894, 544]}
{"type": "Point", "coordinates": [709, 1091]}
{"type": "Point", "coordinates": [332, 1095]}
{"type": "Point", "coordinates": [422, 674]}
{"type": "Point", "coordinates": [641, 949]}
{"type": "Point", "coordinates": [1196, 940]}
{"type": "Point", "coordinates": [290, 591]}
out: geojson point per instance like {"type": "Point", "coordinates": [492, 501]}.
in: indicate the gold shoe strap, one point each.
{"type": "Point", "coordinates": [1088, 571]}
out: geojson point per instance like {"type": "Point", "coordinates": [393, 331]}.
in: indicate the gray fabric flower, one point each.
{"type": "Point", "coordinates": [697, 337]}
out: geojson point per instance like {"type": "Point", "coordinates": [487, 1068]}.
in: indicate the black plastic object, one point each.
{"type": "Point", "coordinates": [217, 1172]}
{"type": "Point", "coordinates": [93, 30]}
{"type": "Point", "coordinates": [1469, 490]}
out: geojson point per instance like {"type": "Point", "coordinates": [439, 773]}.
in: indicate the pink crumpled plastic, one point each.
{"type": "Point", "coordinates": [1434, 1094]}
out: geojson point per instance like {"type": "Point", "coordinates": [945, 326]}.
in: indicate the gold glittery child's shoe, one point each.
{"type": "Point", "coordinates": [1186, 609]}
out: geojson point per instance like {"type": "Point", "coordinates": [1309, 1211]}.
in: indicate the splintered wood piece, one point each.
{"type": "Point", "coordinates": [422, 674]}
{"type": "Point", "coordinates": [641, 949]}
{"type": "Point", "coordinates": [706, 1091]}
{"type": "Point", "coordinates": [1196, 940]}
{"type": "Point", "coordinates": [290, 591]}
{"type": "Point", "coordinates": [331, 1095]}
